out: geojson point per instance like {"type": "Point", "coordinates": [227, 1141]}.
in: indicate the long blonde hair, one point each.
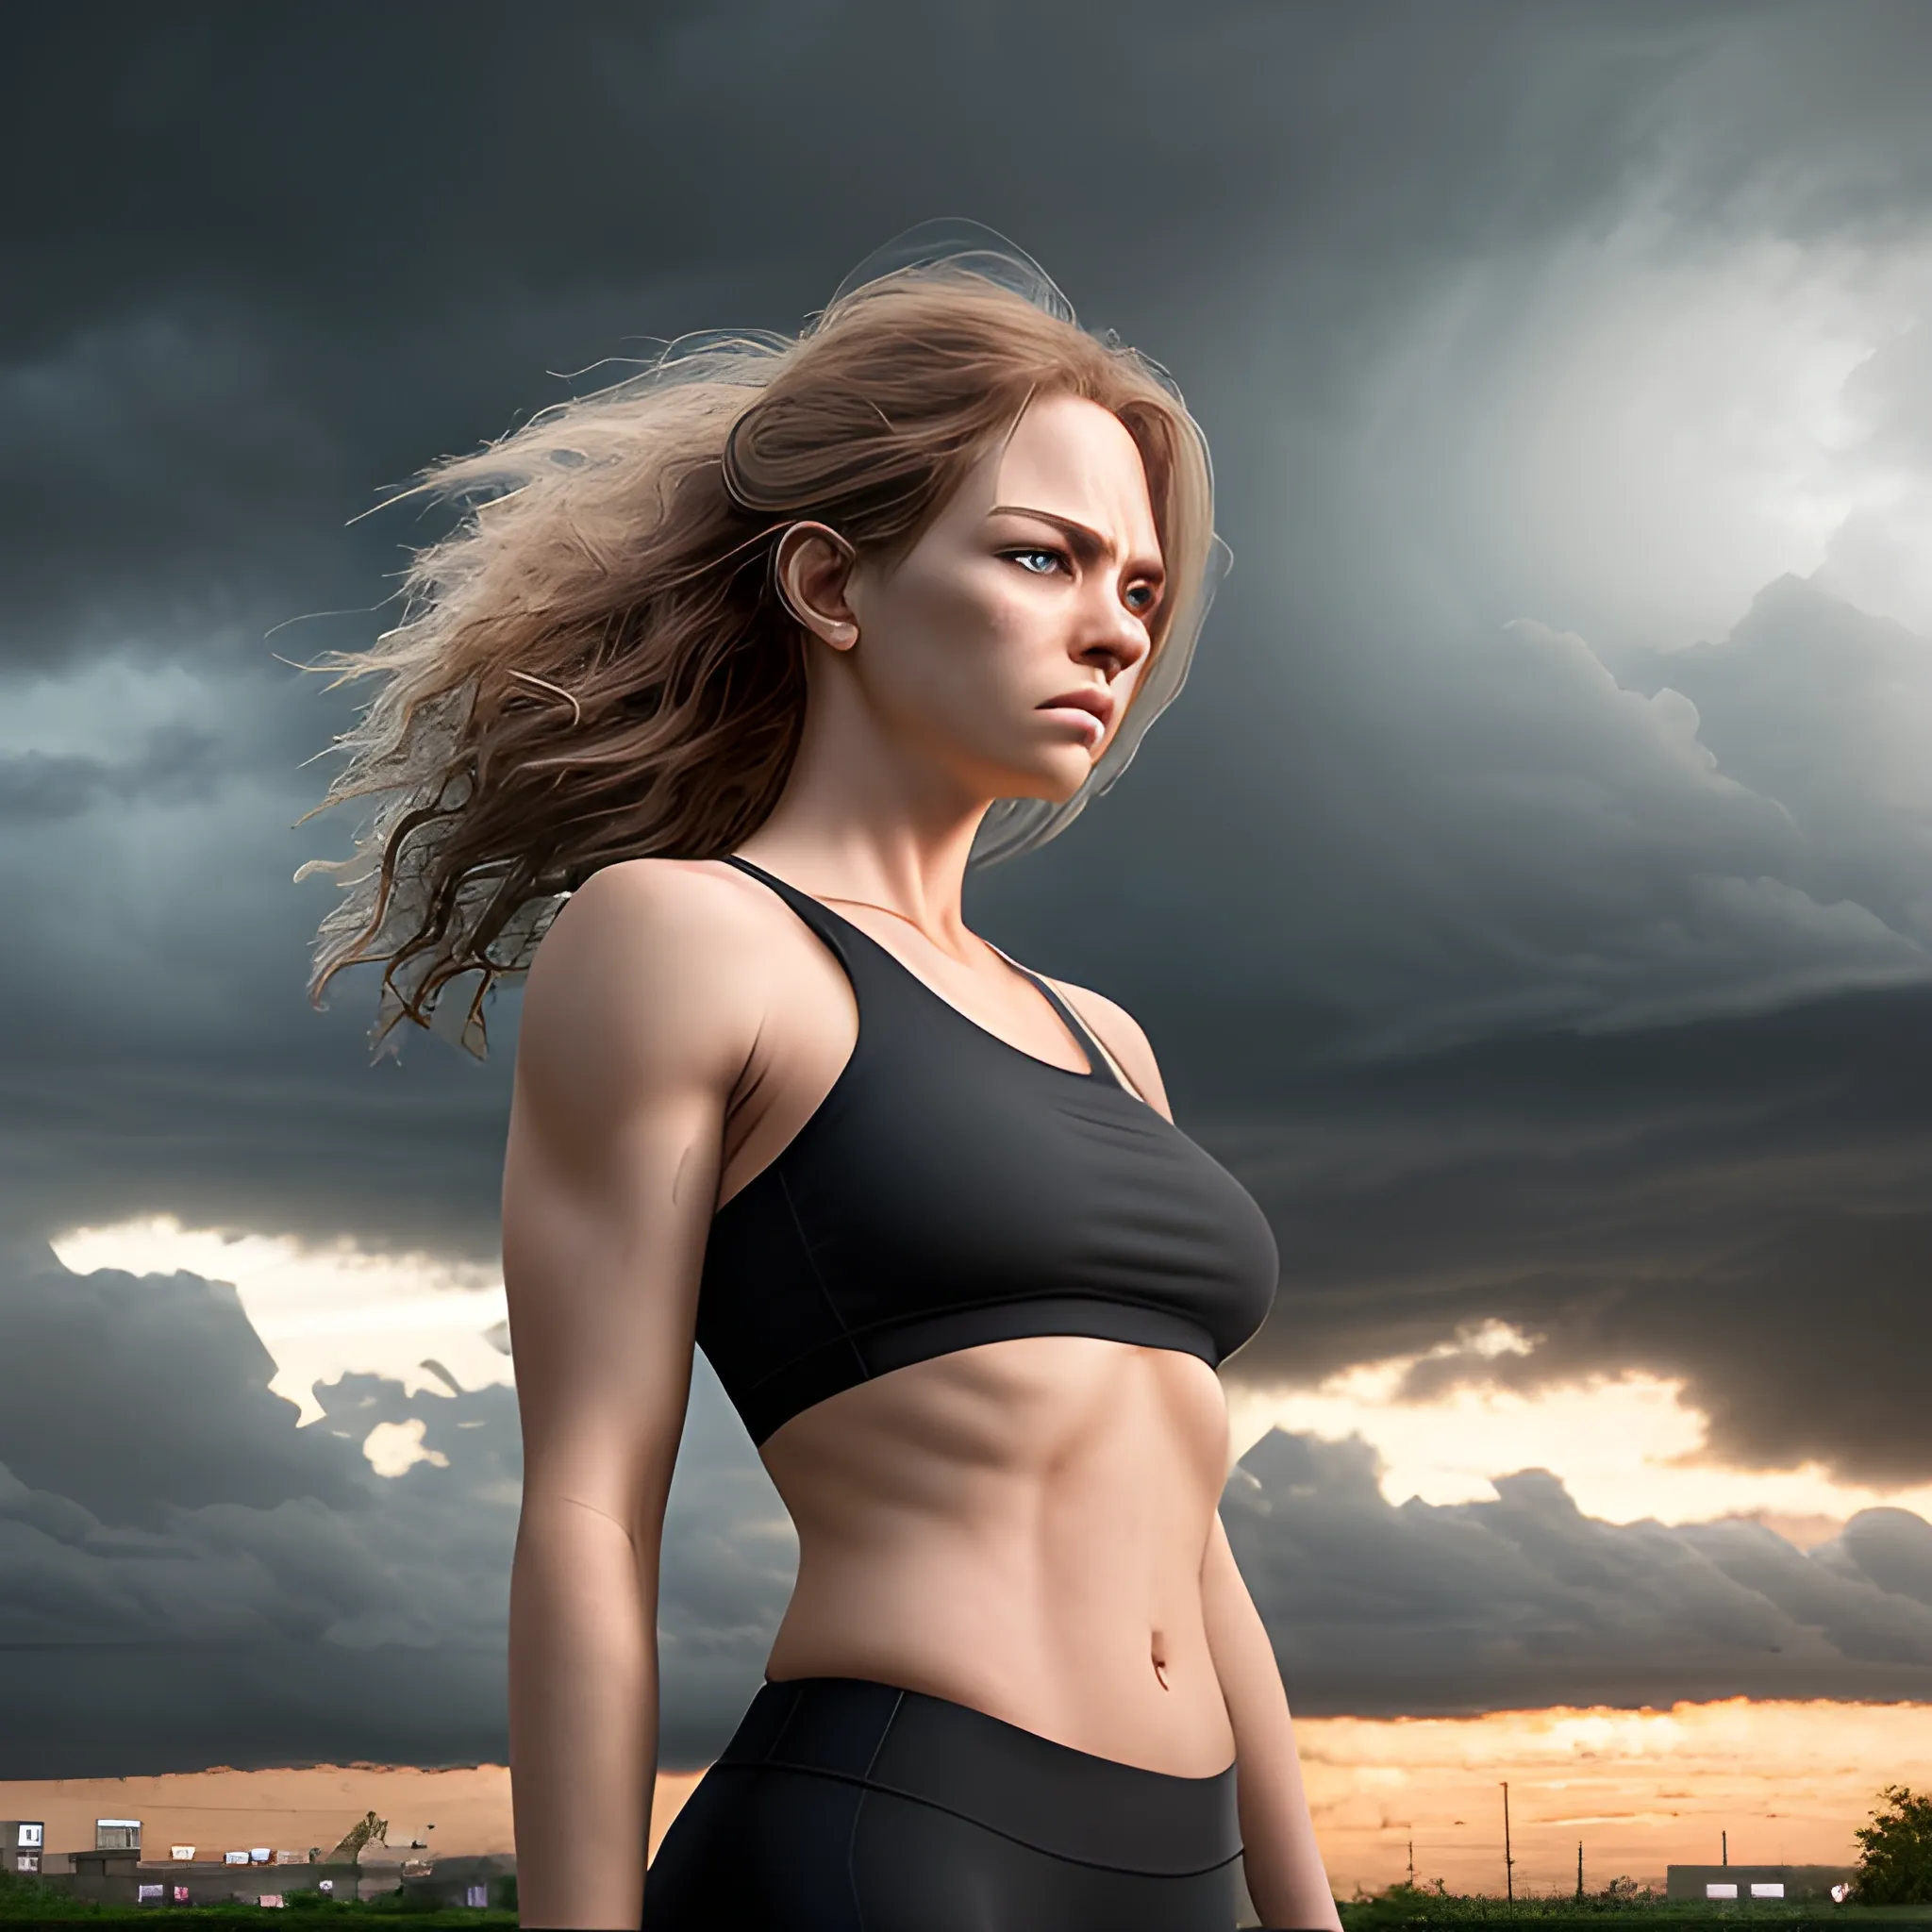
{"type": "Point", "coordinates": [595, 665]}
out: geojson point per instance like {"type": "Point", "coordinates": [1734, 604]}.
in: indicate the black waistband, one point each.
{"type": "Point", "coordinates": [1027, 1788]}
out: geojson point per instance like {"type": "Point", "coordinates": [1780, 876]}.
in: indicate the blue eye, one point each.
{"type": "Point", "coordinates": [1042, 563]}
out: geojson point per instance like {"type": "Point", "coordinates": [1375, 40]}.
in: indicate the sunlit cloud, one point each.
{"type": "Point", "coordinates": [1646, 433]}
{"type": "Point", "coordinates": [1628, 1446]}
{"type": "Point", "coordinates": [395, 1448]}
{"type": "Point", "coordinates": [324, 1311]}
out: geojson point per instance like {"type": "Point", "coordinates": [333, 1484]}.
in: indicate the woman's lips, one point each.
{"type": "Point", "coordinates": [1090, 711]}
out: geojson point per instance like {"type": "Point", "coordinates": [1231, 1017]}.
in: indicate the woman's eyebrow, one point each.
{"type": "Point", "coordinates": [1086, 543]}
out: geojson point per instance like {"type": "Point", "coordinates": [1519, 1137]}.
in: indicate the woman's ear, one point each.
{"type": "Point", "coordinates": [813, 567]}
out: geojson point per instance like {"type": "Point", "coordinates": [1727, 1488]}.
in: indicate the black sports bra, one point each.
{"type": "Point", "coordinates": [952, 1190]}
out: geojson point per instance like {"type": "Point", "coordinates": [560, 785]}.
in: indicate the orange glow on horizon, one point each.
{"type": "Point", "coordinates": [1641, 1789]}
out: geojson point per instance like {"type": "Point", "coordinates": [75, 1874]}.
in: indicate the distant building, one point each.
{"type": "Point", "coordinates": [117, 1878]}
{"type": "Point", "coordinates": [119, 1875]}
{"type": "Point", "coordinates": [473, 1882]}
{"type": "Point", "coordinates": [23, 1845]}
{"type": "Point", "coordinates": [1743, 1883]}
{"type": "Point", "coordinates": [111, 1863]}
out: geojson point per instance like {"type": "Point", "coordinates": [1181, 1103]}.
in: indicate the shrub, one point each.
{"type": "Point", "coordinates": [1896, 1867]}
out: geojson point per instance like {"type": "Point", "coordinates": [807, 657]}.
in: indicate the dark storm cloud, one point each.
{"type": "Point", "coordinates": [1525, 1601]}
{"type": "Point", "coordinates": [175, 764]}
{"type": "Point", "coordinates": [1742, 1205]}
{"type": "Point", "coordinates": [1520, 803]}
{"type": "Point", "coordinates": [192, 1578]}
{"type": "Point", "coordinates": [1828, 712]}
{"type": "Point", "coordinates": [173, 1383]}
{"type": "Point", "coordinates": [259, 1596]}
{"type": "Point", "coordinates": [173, 471]}
{"type": "Point", "coordinates": [134, 1709]}
{"type": "Point", "coordinates": [1737, 1198]}
{"type": "Point", "coordinates": [290, 265]}
{"type": "Point", "coordinates": [730, 1555]}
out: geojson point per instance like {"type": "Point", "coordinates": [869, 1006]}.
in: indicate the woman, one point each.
{"type": "Point", "coordinates": [749, 660]}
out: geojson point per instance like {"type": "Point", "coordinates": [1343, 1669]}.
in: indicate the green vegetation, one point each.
{"type": "Point", "coordinates": [1406, 1909]}
{"type": "Point", "coordinates": [1415, 1904]}
{"type": "Point", "coordinates": [28, 1898]}
{"type": "Point", "coordinates": [307, 1916]}
{"type": "Point", "coordinates": [27, 1902]}
{"type": "Point", "coordinates": [1893, 1888]}
{"type": "Point", "coordinates": [1896, 1867]}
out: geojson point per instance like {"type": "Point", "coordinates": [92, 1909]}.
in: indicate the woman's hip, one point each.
{"type": "Point", "coordinates": [845, 1806]}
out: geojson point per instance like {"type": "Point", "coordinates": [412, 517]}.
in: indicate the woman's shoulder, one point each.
{"type": "Point", "coordinates": [689, 899]}
{"type": "Point", "coordinates": [650, 957]}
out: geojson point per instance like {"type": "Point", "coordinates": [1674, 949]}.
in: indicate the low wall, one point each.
{"type": "Point", "coordinates": [208, 1883]}
{"type": "Point", "coordinates": [1689, 1884]}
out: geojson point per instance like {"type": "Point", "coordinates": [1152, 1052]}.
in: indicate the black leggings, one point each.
{"type": "Point", "coordinates": [847, 1806]}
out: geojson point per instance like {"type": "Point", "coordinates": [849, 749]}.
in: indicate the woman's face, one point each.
{"type": "Point", "coordinates": [1007, 642]}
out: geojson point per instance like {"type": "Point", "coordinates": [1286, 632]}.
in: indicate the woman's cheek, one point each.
{"type": "Point", "coordinates": [1021, 621]}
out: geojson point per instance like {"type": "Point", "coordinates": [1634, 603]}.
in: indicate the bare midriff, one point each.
{"type": "Point", "coordinates": [1020, 1528]}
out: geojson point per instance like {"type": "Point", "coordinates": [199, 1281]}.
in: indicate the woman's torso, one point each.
{"type": "Point", "coordinates": [1003, 1491]}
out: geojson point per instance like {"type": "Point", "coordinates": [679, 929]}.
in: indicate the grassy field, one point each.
{"type": "Point", "coordinates": [23, 1905]}
{"type": "Point", "coordinates": [1403, 1911]}
{"type": "Point", "coordinates": [288, 1919]}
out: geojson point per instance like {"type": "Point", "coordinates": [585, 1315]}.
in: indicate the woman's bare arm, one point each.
{"type": "Point", "coordinates": [1286, 1876]}
{"type": "Point", "coordinates": [637, 1024]}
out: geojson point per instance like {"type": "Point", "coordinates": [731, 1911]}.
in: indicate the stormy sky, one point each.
{"type": "Point", "coordinates": [1531, 896]}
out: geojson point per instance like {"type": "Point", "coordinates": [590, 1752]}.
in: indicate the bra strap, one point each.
{"type": "Point", "coordinates": [818, 918]}
{"type": "Point", "coordinates": [826, 923]}
{"type": "Point", "coordinates": [1099, 1059]}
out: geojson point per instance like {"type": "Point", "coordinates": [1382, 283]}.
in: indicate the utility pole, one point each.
{"type": "Point", "coordinates": [1579, 1871]}
{"type": "Point", "coordinates": [1723, 1839]}
{"type": "Point", "coordinates": [1509, 1862]}
{"type": "Point", "coordinates": [1411, 1864]}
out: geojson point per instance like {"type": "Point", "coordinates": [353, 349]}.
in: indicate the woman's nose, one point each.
{"type": "Point", "coordinates": [1112, 637]}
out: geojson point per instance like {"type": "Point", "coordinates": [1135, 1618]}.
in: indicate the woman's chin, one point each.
{"type": "Point", "coordinates": [1053, 782]}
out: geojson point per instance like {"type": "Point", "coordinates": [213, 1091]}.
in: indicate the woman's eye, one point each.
{"type": "Point", "coordinates": [1141, 598]}
{"type": "Point", "coordinates": [1042, 563]}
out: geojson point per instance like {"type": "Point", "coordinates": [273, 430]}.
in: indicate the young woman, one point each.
{"type": "Point", "coordinates": [748, 661]}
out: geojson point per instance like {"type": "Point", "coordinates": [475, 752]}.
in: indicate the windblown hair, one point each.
{"type": "Point", "coordinates": [596, 665]}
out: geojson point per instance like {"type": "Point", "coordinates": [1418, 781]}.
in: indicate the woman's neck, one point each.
{"type": "Point", "coordinates": [914, 872]}
{"type": "Point", "coordinates": [873, 822]}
